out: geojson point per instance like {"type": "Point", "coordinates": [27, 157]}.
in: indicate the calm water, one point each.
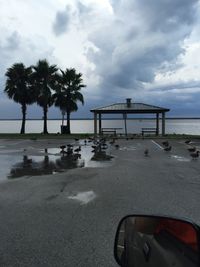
{"type": "Point", "coordinates": [179, 126]}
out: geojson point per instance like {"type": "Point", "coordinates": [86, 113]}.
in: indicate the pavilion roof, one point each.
{"type": "Point", "coordinates": [133, 108]}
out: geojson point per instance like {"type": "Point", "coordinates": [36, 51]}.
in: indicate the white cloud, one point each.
{"type": "Point", "coordinates": [138, 48]}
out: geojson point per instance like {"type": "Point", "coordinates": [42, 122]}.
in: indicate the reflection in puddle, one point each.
{"type": "Point", "coordinates": [36, 166]}
{"type": "Point", "coordinates": [179, 158]}
{"type": "Point", "coordinates": [84, 197]}
{"type": "Point", "coordinates": [54, 160]}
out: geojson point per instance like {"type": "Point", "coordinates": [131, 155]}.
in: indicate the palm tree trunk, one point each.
{"type": "Point", "coordinates": [45, 110]}
{"type": "Point", "coordinates": [68, 123]}
{"type": "Point", "coordinates": [23, 119]}
{"type": "Point", "coordinates": [63, 118]}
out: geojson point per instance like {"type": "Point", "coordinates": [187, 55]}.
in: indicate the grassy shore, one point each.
{"type": "Point", "coordinates": [42, 136]}
{"type": "Point", "coordinates": [35, 136]}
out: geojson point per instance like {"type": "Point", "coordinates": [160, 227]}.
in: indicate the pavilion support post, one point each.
{"type": "Point", "coordinates": [163, 123]}
{"type": "Point", "coordinates": [99, 123]}
{"type": "Point", "coordinates": [95, 124]}
{"type": "Point", "coordinates": [157, 124]}
{"type": "Point", "coordinates": [125, 124]}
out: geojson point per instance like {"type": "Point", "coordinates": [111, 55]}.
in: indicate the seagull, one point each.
{"type": "Point", "coordinates": [117, 146]}
{"type": "Point", "coordinates": [168, 148]}
{"type": "Point", "coordinates": [195, 155]}
{"type": "Point", "coordinates": [165, 143]}
{"type": "Point", "coordinates": [146, 152]}
{"type": "Point", "coordinates": [188, 142]}
{"type": "Point", "coordinates": [76, 139]}
{"type": "Point", "coordinates": [85, 141]}
{"type": "Point", "coordinates": [192, 149]}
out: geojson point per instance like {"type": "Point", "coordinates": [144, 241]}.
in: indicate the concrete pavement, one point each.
{"type": "Point", "coordinates": [46, 222]}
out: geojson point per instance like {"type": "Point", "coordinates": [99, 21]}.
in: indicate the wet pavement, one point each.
{"type": "Point", "coordinates": [69, 218]}
{"type": "Point", "coordinates": [32, 160]}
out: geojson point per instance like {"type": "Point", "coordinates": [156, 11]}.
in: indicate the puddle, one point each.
{"type": "Point", "coordinates": [179, 158]}
{"type": "Point", "coordinates": [84, 197]}
{"type": "Point", "coordinates": [29, 162]}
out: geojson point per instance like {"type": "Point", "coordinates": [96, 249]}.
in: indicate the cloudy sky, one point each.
{"type": "Point", "coordinates": [145, 49]}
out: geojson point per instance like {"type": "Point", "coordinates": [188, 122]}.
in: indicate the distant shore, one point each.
{"type": "Point", "coordinates": [139, 118]}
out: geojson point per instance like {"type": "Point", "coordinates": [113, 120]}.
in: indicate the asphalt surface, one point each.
{"type": "Point", "coordinates": [70, 219]}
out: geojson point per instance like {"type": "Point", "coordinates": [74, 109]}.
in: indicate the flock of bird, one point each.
{"type": "Point", "coordinates": [101, 144]}
{"type": "Point", "coordinates": [97, 145]}
{"type": "Point", "coordinates": [194, 153]}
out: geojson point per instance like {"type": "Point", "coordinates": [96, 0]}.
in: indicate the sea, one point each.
{"type": "Point", "coordinates": [173, 126]}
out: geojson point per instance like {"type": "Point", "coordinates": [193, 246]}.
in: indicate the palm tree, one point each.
{"type": "Point", "coordinates": [44, 81]}
{"type": "Point", "coordinates": [68, 93]}
{"type": "Point", "coordinates": [19, 89]}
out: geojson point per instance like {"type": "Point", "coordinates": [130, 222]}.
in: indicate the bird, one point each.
{"type": "Point", "coordinates": [69, 145]}
{"type": "Point", "coordinates": [188, 142]}
{"type": "Point", "coordinates": [77, 149]}
{"type": "Point", "coordinates": [77, 156]}
{"type": "Point", "coordinates": [165, 143]}
{"type": "Point", "coordinates": [76, 139]}
{"type": "Point", "coordinates": [104, 146]}
{"type": "Point", "coordinates": [195, 155]}
{"type": "Point", "coordinates": [90, 139]}
{"type": "Point", "coordinates": [146, 152]}
{"type": "Point", "coordinates": [117, 146]}
{"type": "Point", "coordinates": [69, 151]}
{"type": "Point", "coordinates": [168, 148]}
{"type": "Point", "coordinates": [62, 147]}
{"type": "Point", "coordinates": [85, 142]}
{"type": "Point", "coordinates": [192, 149]}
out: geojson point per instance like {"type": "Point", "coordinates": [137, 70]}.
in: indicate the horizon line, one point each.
{"type": "Point", "coordinates": [139, 118]}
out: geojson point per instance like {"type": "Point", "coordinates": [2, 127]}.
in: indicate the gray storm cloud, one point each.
{"type": "Point", "coordinates": [142, 38]}
{"type": "Point", "coordinates": [62, 21]}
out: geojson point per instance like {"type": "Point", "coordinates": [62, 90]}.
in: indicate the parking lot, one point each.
{"type": "Point", "coordinates": [70, 218]}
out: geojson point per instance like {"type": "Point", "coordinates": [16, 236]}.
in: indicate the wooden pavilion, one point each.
{"type": "Point", "coordinates": [129, 108]}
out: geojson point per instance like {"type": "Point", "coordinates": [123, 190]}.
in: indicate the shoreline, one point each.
{"type": "Point", "coordinates": [35, 136]}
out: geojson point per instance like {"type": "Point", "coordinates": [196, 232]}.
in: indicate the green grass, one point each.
{"type": "Point", "coordinates": [86, 135]}
{"type": "Point", "coordinates": [42, 136]}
